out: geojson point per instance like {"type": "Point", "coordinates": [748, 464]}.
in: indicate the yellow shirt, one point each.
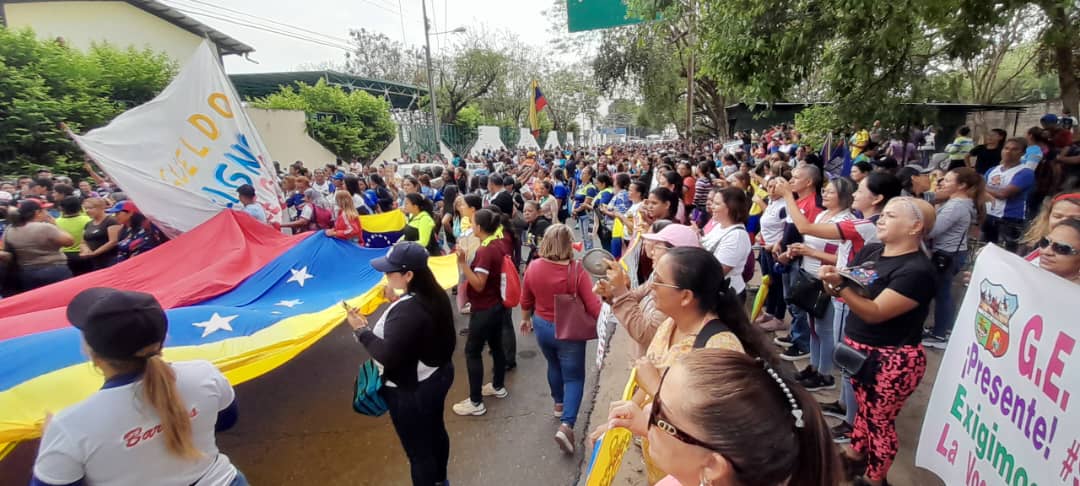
{"type": "Point", "coordinates": [663, 353]}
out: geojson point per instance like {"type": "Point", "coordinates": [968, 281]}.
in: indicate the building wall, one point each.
{"type": "Point", "coordinates": [82, 23]}
{"type": "Point", "coordinates": [1017, 124]}
{"type": "Point", "coordinates": [285, 134]}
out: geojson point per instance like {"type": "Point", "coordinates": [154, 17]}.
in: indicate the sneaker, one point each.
{"type": "Point", "coordinates": [793, 353]}
{"type": "Point", "coordinates": [774, 325]}
{"type": "Point", "coordinates": [805, 373]}
{"type": "Point", "coordinates": [834, 410]}
{"type": "Point", "coordinates": [818, 382]}
{"type": "Point", "coordinates": [467, 407]}
{"type": "Point", "coordinates": [765, 316]}
{"type": "Point", "coordinates": [565, 438]}
{"type": "Point", "coordinates": [841, 434]}
{"type": "Point", "coordinates": [936, 342]}
{"type": "Point", "coordinates": [783, 341]}
{"type": "Point", "coordinates": [489, 390]}
{"type": "Point", "coordinates": [557, 410]}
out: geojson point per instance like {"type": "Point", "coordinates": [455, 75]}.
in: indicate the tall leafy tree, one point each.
{"type": "Point", "coordinates": [376, 56]}
{"type": "Point", "coordinates": [44, 83]}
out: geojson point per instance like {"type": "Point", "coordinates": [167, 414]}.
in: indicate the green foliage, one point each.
{"type": "Point", "coordinates": [43, 83]}
{"type": "Point", "coordinates": [354, 124]}
{"type": "Point", "coordinates": [815, 122]}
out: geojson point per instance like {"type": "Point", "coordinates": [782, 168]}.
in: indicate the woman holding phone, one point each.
{"type": "Point", "coordinates": [414, 342]}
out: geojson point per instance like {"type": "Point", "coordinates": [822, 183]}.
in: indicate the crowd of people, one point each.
{"type": "Point", "coordinates": [860, 254]}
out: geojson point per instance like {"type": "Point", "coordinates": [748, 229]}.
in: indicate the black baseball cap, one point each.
{"type": "Point", "coordinates": [887, 163]}
{"type": "Point", "coordinates": [402, 257]}
{"type": "Point", "coordinates": [117, 324]}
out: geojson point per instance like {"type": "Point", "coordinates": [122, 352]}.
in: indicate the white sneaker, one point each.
{"type": "Point", "coordinates": [489, 390]}
{"type": "Point", "coordinates": [467, 407]}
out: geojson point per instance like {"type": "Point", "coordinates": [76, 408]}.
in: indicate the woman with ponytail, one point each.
{"type": "Point", "coordinates": [166, 413]}
{"type": "Point", "coordinates": [703, 312]}
{"type": "Point", "coordinates": [723, 418]}
{"type": "Point", "coordinates": [33, 241]}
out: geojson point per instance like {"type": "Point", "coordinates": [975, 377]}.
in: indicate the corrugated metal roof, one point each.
{"type": "Point", "coordinates": [226, 45]}
{"type": "Point", "coordinates": [400, 95]}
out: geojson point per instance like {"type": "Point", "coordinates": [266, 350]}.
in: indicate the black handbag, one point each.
{"type": "Point", "coordinates": [808, 294]}
{"type": "Point", "coordinates": [854, 363]}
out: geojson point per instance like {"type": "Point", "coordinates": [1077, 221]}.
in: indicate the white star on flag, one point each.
{"type": "Point", "coordinates": [299, 276]}
{"type": "Point", "coordinates": [216, 323]}
{"type": "Point", "coordinates": [291, 303]}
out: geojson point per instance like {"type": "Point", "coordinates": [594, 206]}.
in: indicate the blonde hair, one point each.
{"type": "Point", "coordinates": [96, 202]}
{"type": "Point", "coordinates": [557, 244]}
{"type": "Point", "coordinates": [345, 204]}
{"type": "Point", "coordinates": [1040, 226]}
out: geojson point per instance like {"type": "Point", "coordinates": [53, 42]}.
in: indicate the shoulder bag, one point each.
{"type": "Point", "coordinates": [808, 294]}
{"type": "Point", "coordinates": [366, 399]}
{"type": "Point", "coordinates": [572, 321]}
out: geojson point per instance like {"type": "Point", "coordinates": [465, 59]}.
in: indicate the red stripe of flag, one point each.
{"type": "Point", "coordinates": [539, 99]}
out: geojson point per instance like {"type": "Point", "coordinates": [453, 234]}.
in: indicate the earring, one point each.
{"type": "Point", "coordinates": [704, 482]}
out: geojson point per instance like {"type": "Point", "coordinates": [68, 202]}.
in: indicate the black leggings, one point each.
{"type": "Point", "coordinates": [417, 415]}
{"type": "Point", "coordinates": [485, 327]}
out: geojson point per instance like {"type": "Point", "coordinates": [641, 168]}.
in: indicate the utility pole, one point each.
{"type": "Point", "coordinates": [430, 77]}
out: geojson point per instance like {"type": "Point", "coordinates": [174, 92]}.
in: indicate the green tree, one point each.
{"type": "Point", "coordinates": [570, 92]}
{"type": "Point", "coordinates": [44, 83]}
{"type": "Point", "coordinates": [353, 124]}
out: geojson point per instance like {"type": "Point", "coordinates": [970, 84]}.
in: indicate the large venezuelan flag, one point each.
{"type": "Point", "coordinates": [237, 293]}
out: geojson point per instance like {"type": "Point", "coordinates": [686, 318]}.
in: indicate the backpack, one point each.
{"type": "Point", "coordinates": [710, 329]}
{"type": "Point", "coordinates": [510, 286]}
{"type": "Point", "coordinates": [323, 218]}
{"type": "Point", "coordinates": [366, 399]}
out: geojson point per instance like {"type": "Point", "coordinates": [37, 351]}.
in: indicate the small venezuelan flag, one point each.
{"type": "Point", "coordinates": [537, 103]}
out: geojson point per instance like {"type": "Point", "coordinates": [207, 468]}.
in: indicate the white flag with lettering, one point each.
{"type": "Point", "coordinates": [181, 156]}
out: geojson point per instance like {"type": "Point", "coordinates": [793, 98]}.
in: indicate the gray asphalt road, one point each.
{"type": "Point", "coordinates": [297, 427]}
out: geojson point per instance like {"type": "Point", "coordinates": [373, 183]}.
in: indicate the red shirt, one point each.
{"type": "Point", "coordinates": [809, 208]}
{"type": "Point", "coordinates": [544, 279]}
{"type": "Point", "coordinates": [348, 228]}
{"type": "Point", "coordinates": [1062, 138]}
{"type": "Point", "coordinates": [489, 260]}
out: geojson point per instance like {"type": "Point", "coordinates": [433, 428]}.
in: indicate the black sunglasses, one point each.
{"type": "Point", "coordinates": [657, 418]}
{"type": "Point", "coordinates": [1059, 248]}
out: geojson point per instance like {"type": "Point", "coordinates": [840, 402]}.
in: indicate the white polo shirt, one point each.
{"type": "Point", "coordinates": [113, 438]}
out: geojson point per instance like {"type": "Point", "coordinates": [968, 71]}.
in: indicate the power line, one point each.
{"type": "Point", "coordinates": [213, 7]}
{"type": "Point", "coordinates": [267, 29]}
{"type": "Point", "coordinates": [381, 6]}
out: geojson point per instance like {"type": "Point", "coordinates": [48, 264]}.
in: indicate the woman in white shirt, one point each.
{"type": "Point", "coordinates": [152, 422]}
{"type": "Point", "coordinates": [728, 241]}
{"type": "Point", "coordinates": [836, 197]}
{"type": "Point", "coordinates": [772, 231]}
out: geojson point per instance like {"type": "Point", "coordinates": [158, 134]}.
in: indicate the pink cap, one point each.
{"type": "Point", "coordinates": [676, 235]}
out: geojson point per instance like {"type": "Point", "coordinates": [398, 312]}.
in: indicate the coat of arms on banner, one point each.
{"type": "Point", "coordinates": [996, 308]}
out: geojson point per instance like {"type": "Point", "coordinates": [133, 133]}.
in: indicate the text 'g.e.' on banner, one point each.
{"type": "Point", "coordinates": [182, 155]}
{"type": "Point", "coordinates": [1001, 411]}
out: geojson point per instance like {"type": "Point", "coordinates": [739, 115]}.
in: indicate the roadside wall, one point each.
{"type": "Point", "coordinates": [285, 134]}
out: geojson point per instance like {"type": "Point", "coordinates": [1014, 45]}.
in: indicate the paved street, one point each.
{"type": "Point", "coordinates": [297, 427]}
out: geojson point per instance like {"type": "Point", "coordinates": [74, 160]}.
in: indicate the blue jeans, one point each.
{"type": "Point", "coordinates": [239, 480]}
{"type": "Point", "coordinates": [847, 394]}
{"type": "Point", "coordinates": [585, 222]}
{"type": "Point", "coordinates": [823, 341]}
{"type": "Point", "coordinates": [944, 307]}
{"type": "Point", "coordinates": [566, 368]}
{"type": "Point", "coordinates": [800, 322]}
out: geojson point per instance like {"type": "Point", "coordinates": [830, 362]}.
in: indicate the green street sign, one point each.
{"type": "Point", "coordinates": [596, 14]}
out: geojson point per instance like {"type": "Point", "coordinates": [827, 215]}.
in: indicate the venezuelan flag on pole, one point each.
{"type": "Point", "coordinates": [383, 229]}
{"type": "Point", "coordinates": [537, 103]}
{"type": "Point", "coordinates": [236, 292]}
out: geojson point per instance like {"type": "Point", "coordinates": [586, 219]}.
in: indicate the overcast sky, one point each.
{"type": "Point", "coordinates": [334, 18]}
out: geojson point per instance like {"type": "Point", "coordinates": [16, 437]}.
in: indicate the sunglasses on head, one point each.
{"type": "Point", "coordinates": [1059, 248]}
{"type": "Point", "coordinates": [662, 422]}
